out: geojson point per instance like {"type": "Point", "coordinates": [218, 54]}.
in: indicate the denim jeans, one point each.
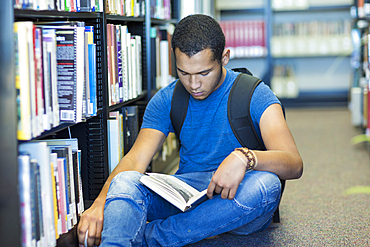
{"type": "Point", "coordinates": [136, 216]}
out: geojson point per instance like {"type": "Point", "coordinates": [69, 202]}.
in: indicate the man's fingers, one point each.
{"type": "Point", "coordinates": [210, 190]}
{"type": "Point", "coordinates": [232, 193]}
{"type": "Point", "coordinates": [91, 236]}
{"type": "Point", "coordinates": [225, 193]}
{"type": "Point", "coordinates": [81, 231]}
{"type": "Point", "coordinates": [99, 229]}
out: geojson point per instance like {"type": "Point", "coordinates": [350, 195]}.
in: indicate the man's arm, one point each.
{"type": "Point", "coordinates": [281, 157]}
{"type": "Point", "coordinates": [138, 158]}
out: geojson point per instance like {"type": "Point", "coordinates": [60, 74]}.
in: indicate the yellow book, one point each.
{"type": "Point", "coordinates": [55, 203]}
{"type": "Point", "coordinates": [22, 81]}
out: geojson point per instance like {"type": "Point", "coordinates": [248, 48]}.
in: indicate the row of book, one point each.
{"type": "Point", "coordinates": [55, 75]}
{"type": "Point", "coordinates": [284, 82]}
{"type": "Point", "coordinates": [162, 58]}
{"type": "Point", "coordinates": [126, 7]}
{"type": "Point", "coordinates": [311, 38]}
{"type": "Point", "coordinates": [124, 61]}
{"type": "Point", "coordinates": [245, 38]}
{"type": "Point", "coordinates": [50, 189]}
{"type": "Point", "coordinates": [123, 128]}
{"type": "Point", "coordinates": [160, 9]}
{"type": "Point", "coordinates": [360, 96]}
{"type": "Point", "coordinates": [61, 5]}
{"type": "Point", "coordinates": [363, 8]}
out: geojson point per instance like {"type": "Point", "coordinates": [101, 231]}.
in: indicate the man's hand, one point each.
{"type": "Point", "coordinates": [92, 220]}
{"type": "Point", "coordinates": [227, 178]}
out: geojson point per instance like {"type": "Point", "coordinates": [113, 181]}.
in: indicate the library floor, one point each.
{"type": "Point", "coordinates": [330, 204]}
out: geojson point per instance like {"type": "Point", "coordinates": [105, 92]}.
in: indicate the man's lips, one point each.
{"type": "Point", "coordinates": [196, 94]}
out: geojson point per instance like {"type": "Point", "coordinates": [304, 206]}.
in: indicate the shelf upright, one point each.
{"type": "Point", "coordinates": [10, 220]}
{"type": "Point", "coordinates": [268, 34]}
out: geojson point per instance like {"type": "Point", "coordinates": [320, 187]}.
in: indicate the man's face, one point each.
{"type": "Point", "coordinates": [200, 74]}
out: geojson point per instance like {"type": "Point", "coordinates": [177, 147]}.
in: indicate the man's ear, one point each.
{"type": "Point", "coordinates": [225, 57]}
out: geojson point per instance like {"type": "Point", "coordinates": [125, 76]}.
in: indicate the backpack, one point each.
{"type": "Point", "coordinates": [237, 111]}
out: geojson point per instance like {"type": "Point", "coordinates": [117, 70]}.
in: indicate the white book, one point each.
{"type": "Point", "coordinates": [113, 143]}
{"type": "Point", "coordinates": [133, 68]}
{"type": "Point", "coordinates": [139, 70]}
{"type": "Point", "coordinates": [31, 69]}
{"type": "Point", "coordinates": [24, 131]}
{"type": "Point", "coordinates": [164, 63]}
{"type": "Point", "coordinates": [175, 191]}
{"type": "Point", "coordinates": [41, 152]}
{"type": "Point", "coordinates": [24, 177]}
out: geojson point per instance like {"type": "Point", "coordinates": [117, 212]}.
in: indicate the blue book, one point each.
{"type": "Point", "coordinates": [92, 78]}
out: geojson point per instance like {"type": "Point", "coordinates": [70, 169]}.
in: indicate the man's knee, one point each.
{"type": "Point", "coordinates": [125, 183]}
{"type": "Point", "coordinates": [258, 189]}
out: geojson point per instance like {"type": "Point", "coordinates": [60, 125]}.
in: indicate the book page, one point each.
{"type": "Point", "coordinates": [184, 189]}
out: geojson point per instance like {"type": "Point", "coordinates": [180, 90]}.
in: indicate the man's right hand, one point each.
{"type": "Point", "coordinates": [92, 220]}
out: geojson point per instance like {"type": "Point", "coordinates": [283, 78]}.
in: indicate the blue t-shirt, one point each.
{"type": "Point", "coordinates": [206, 135]}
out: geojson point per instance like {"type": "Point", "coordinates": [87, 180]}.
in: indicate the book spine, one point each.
{"type": "Point", "coordinates": [119, 63]}
{"type": "Point", "coordinates": [23, 83]}
{"type": "Point", "coordinates": [67, 81]}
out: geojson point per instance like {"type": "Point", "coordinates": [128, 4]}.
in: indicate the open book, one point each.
{"type": "Point", "coordinates": [175, 191]}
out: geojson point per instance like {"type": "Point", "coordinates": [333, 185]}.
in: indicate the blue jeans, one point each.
{"type": "Point", "coordinates": [136, 216]}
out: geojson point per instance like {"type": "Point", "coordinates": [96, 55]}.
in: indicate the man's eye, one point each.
{"type": "Point", "coordinates": [204, 74]}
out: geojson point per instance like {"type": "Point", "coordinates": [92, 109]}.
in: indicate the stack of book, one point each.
{"type": "Point", "coordinates": [55, 75]}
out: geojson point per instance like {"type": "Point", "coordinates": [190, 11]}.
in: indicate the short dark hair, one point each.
{"type": "Point", "coordinates": [196, 33]}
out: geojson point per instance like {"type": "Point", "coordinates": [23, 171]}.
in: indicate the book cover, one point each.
{"type": "Point", "coordinates": [175, 191]}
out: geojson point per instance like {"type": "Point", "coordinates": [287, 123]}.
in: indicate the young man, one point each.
{"type": "Point", "coordinates": [243, 185]}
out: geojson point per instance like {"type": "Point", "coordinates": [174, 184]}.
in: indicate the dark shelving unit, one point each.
{"type": "Point", "coordinates": [91, 134]}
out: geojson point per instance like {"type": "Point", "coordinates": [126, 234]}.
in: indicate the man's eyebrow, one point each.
{"type": "Point", "coordinates": [201, 72]}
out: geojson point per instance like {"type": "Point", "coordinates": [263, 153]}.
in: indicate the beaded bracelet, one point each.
{"type": "Point", "coordinates": [250, 155]}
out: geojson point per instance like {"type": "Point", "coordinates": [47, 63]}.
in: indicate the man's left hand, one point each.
{"type": "Point", "coordinates": [227, 178]}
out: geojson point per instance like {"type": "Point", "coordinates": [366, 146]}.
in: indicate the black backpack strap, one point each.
{"type": "Point", "coordinates": [238, 111]}
{"type": "Point", "coordinates": [179, 107]}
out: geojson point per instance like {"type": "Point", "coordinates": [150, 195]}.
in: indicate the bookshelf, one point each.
{"type": "Point", "coordinates": [320, 73]}
{"type": "Point", "coordinates": [92, 132]}
{"type": "Point", "coordinates": [359, 91]}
